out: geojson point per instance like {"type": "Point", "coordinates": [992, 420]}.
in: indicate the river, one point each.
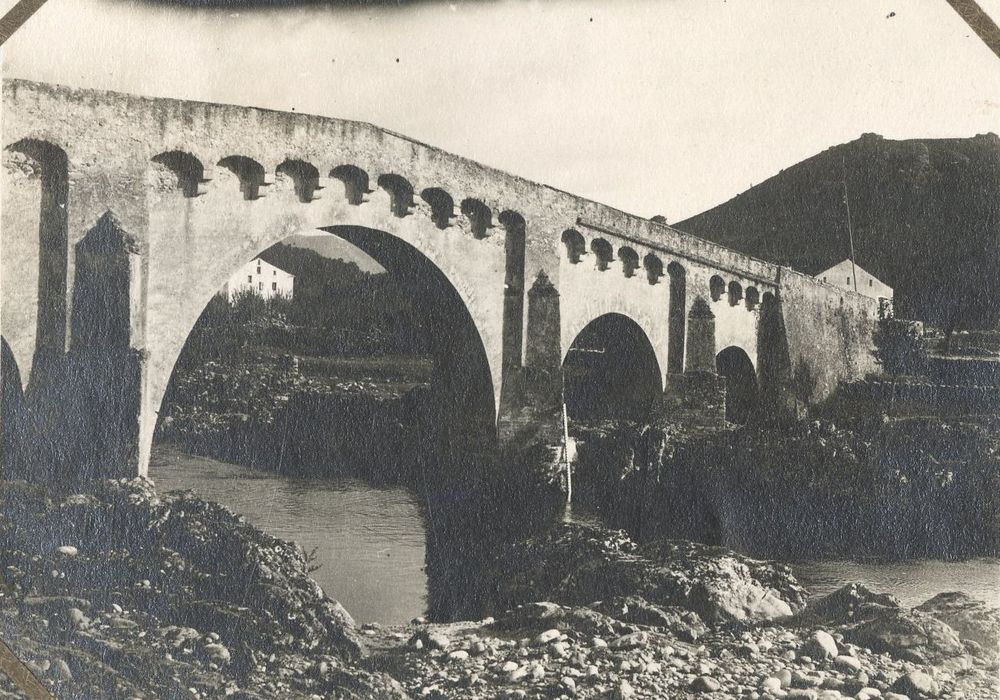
{"type": "Point", "coordinates": [369, 540]}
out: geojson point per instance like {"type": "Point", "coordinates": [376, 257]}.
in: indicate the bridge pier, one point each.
{"type": "Point", "coordinates": [87, 406]}
{"type": "Point", "coordinates": [531, 400]}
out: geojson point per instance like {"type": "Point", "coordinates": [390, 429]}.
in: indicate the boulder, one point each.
{"type": "Point", "coordinates": [705, 684]}
{"type": "Point", "coordinates": [821, 645]}
{"type": "Point", "coordinates": [916, 684]}
{"type": "Point", "coordinates": [575, 564]}
{"type": "Point", "coordinates": [909, 635]}
{"type": "Point", "coordinates": [972, 619]}
{"type": "Point", "coordinates": [854, 602]}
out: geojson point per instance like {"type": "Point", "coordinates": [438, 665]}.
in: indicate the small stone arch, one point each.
{"type": "Point", "coordinates": [355, 182]}
{"type": "Point", "coordinates": [576, 246]}
{"type": "Point", "coordinates": [250, 173]}
{"type": "Point", "coordinates": [629, 259]}
{"type": "Point", "coordinates": [400, 193]}
{"type": "Point", "coordinates": [654, 268]}
{"type": "Point", "coordinates": [188, 169]}
{"type": "Point", "coordinates": [611, 371]}
{"type": "Point", "coordinates": [735, 293]}
{"type": "Point", "coordinates": [304, 175]}
{"type": "Point", "coordinates": [735, 365]}
{"type": "Point", "coordinates": [699, 346]}
{"type": "Point", "coordinates": [716, 287]}
{"type": "Point", "coordinates": [480, 217]}
{"type": "Point", "coordinates": [676, 317]}
{"type": "Point", "coordinates": [513, 309]}
{"type": "Point", "coordinates": [50, 164]}
{"type": "Point", "coordinates": [604, 253]}
{"type": "Point", "coordinates": [752, 298]}
{"type": "Point", "coordinates": [442, 206]}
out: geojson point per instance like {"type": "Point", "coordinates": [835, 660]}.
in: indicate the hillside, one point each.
{"type": "Point", "coordinates": [926, 216]}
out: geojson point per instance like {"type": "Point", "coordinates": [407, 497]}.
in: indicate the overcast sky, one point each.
{"type": "Point", "coordinates": [653, 107]}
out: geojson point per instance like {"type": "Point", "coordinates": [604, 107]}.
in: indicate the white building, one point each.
{"type": "Point", "coordinates": [262, 278]}
{"type": "Point", "coordinates": [843, 274]}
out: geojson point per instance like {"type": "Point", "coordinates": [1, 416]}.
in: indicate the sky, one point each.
{"type": "Point", "coordinates": [653, 107]}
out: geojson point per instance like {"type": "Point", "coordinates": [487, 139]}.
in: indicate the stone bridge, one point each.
{"type": "Point", "coordinates": [122, 216]}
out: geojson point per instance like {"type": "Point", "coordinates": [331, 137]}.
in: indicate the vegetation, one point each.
{"type": "Point", "coordinates": [336, 310]}
{"type": "Point", "coordinates": [900, 348]}
{"type": "Point", "coordinates": [918, 487]}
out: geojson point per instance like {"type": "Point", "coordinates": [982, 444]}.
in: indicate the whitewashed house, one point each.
{"type": "Point", "coordinates": [844, 274]}
{"type": "Point", "coordinates": [262, 278]}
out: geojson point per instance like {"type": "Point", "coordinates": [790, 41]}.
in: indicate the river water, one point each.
{"type": "Point", "coordinates": [369, 540]}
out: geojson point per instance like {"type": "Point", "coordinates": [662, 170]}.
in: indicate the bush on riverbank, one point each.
{"type": "Point", "coordinates": [263, 412]}
{"type": "Point", "coordinates": [918, 487]}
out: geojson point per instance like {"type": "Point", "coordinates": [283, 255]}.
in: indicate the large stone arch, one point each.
{"type": "Point", "coordinates": [464, 399]}
{"type": "Point", "coordinates": [195, 242]}
{"type": "Point", "coordinates": [611, 371]}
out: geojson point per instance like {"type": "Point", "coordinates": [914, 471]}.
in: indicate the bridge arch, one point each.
{"type": "Point", "coordinates": [355, 182]}
{"type": "Point", "coordinates": [250, 173]}
{"type": "Point", "coordinates": [304, 176]}
{"type": "Point", "coordinates": [480, 217]}
{"type": "Point", "coordinates": [462, 385]}
{"type": "Point", "coordinates": [716, 287]}
{"type": "Point", "coordinates": [735, 366]}
{"type": "Point", "coordinates": [735, 293]}
{"type": "Point", "coordinates": [603, 252]}
{"type": "Point", "coordinates": [189, 171]}
{"type": "Point", "coordinates": [38, 182]}
{"type": "Point", "coordinates": [676, 317]}
{"type": "Point", "coordinates": [629, 259]}
{"type": "Point", "coordinates": [400, 193]}
{"type": "Point", "coordinates": [654, 268]}
{"type": "Point", "coordinates": [611, 371]}
{"type": "Point", "coordinates": [576, 246]}
{"type": "Point", "coordinates": [442, 206]}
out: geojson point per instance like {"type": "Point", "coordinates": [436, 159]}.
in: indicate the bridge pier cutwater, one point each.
{"type": "Point", "coordinates": [121, 216]}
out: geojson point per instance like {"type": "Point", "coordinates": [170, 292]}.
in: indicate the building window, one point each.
{"type": "Point", "coordinates": [870, 283]}
{"type": "Point", "coordinates": [848, 280]}
{"type": "Point", "coordinates": [260, 286]}
{"type": "Point", "coordinates": [258, 269]}
{"type": "Point", "coordinates": [249, 278]}
{"type": "Point", "coordinates": [274, 286]}
{"type": "Point", "coordinates": [824, 278]}
{"type": "Point", "coordinates": [274, 272]}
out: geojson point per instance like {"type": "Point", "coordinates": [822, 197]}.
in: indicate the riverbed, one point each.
{"type": "Point", "coordinates": [369, 541]}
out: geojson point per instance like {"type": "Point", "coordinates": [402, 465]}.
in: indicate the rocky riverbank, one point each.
{"type": "Point", "coordinates": [115, 591]}
{"type": "Point", "coordinates": [265, 412]}
{"type": "Point", "coordinates": [870, 487]}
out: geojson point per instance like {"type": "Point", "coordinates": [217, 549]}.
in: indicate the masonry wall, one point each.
{"type": "Point", "coordinates": [192, 235]}
{"type": "Point", "coordinates": [830, 334]}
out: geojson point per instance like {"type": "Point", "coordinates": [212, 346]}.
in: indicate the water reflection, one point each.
{"type": "Point", "coordinates": [913, 582]}
{"type": "Point", "coordinates": [369, 540]}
